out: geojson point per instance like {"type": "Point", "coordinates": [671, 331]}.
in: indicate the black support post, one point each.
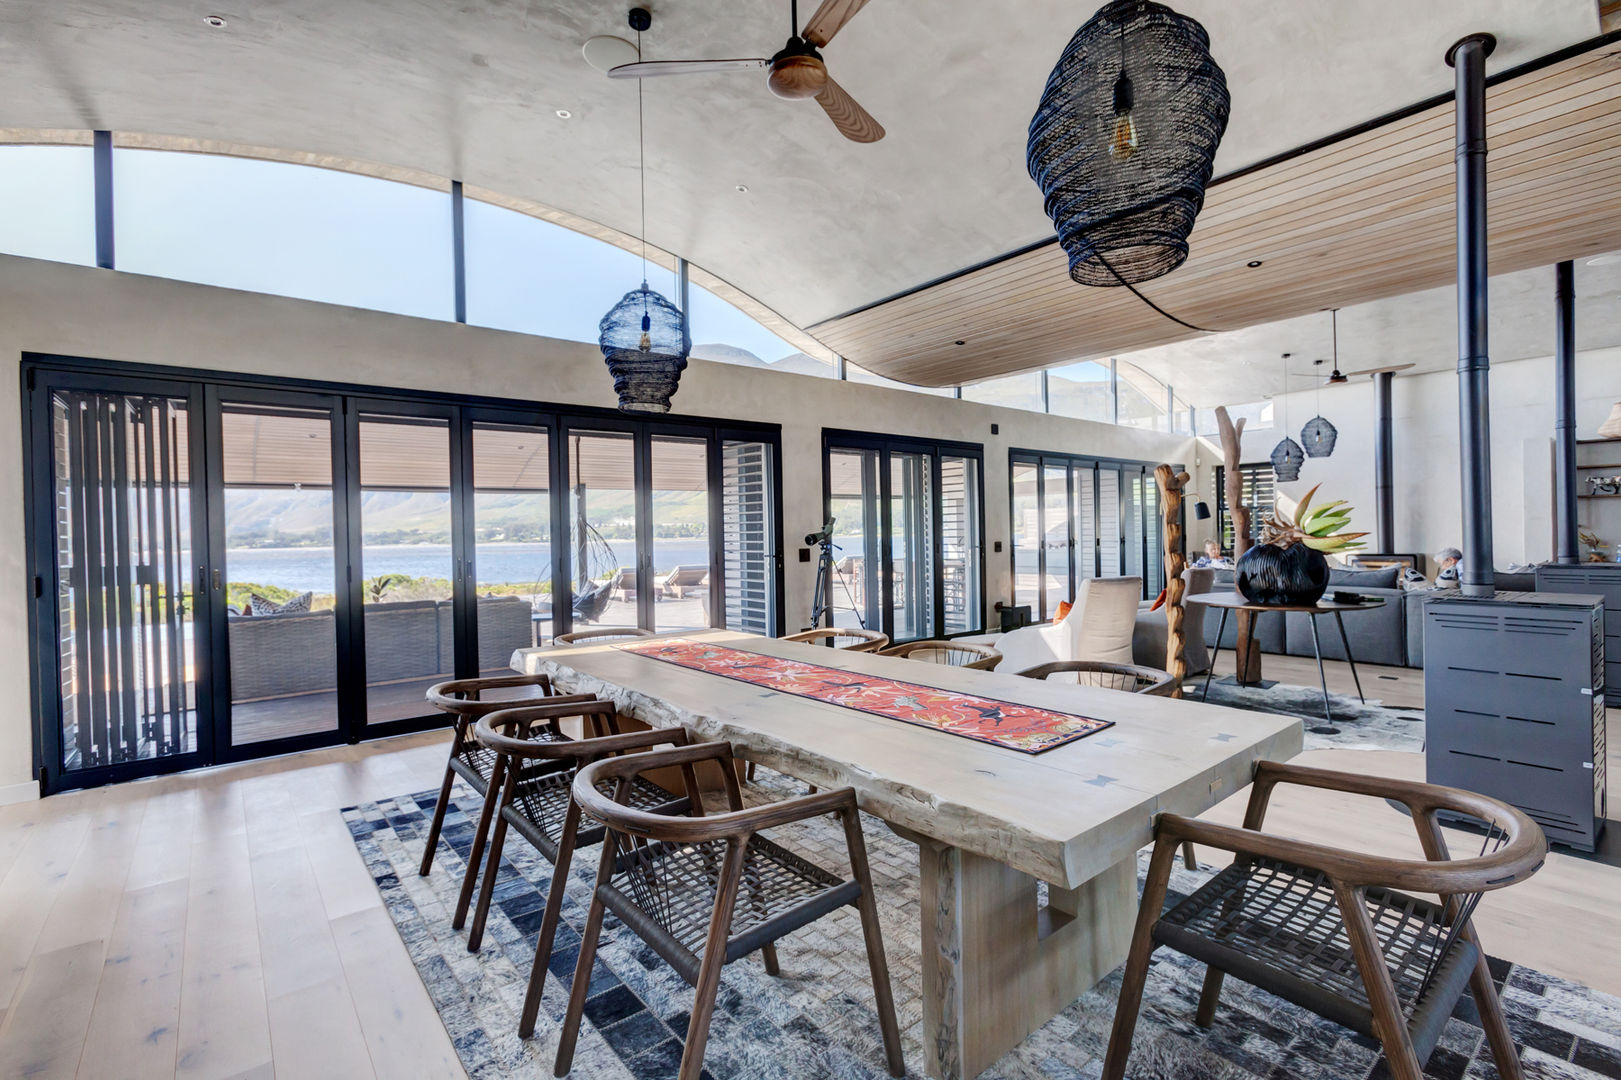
{"type": "Point", "coordinates": [1384, 464]}
{"type": "Point", "coordinates": [102, 162]}
{"type": "Point", "coordinates": [1564, 420]}
{"type": "Point", "coordinates": [458, 249]}
{"type": "Point", "coordinates": [1468, 58]}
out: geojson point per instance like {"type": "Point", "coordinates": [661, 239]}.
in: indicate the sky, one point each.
{"type": "Point", "coordinates": [320, 234]}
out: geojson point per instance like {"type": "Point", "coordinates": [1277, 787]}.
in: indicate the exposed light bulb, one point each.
{"type": "Point", "coordinates": [1124, 141]}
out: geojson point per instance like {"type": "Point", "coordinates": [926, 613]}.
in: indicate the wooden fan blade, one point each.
{"type": "Point", "coordinates": [853, 122]}
{"type": "Point", "coordinates": [650, 68]}
{"type": "Point", "coordinates": [829, 20]}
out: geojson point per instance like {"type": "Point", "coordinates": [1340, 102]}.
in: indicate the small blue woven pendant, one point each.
{"type": "Point", "coordinates": [645, 344]}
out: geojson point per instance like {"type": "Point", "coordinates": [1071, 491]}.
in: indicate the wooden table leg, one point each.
{"type": "Point", "coordinates": [995, 966]}
{"type": "Point", "coordinates": [1249, 654]}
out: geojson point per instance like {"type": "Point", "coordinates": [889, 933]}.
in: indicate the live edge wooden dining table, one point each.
{"type": "Point", "coordinates": [989, 821]}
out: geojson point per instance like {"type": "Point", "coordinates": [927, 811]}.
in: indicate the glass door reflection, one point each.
{"type": "Point", "coordinates": [281, 570]}
{"type": "Point", "coordinates": [603, 520]}
{"type": "Point", "coordinates": [512, 541]}
{"type": "Point", "coordinates": [681, 556]}
{"type": "Point", "coordinates": [911, 547]}
{"type": "Point", "coordinates": [407, 562]}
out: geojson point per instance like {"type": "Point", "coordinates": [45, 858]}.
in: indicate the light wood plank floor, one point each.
{"type": "Point", "coordinates": [221, 923]}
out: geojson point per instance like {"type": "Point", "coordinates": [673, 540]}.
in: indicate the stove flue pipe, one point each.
{"type": "Point", "coordinates": [1468, 59]}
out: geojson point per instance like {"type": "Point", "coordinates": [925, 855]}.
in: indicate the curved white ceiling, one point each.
{"type": "Point", "coordinates": [471, 90]}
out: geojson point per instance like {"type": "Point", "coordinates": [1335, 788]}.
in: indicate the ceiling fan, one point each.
{"type": "Point", "coordinates": [796, 71]}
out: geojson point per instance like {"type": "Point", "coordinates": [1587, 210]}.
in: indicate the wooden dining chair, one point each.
{"type": "Point", "coordinates": [531, 791]}
{"type": "Point", "coordinates": [464, 700]}
{"type": "Point", "coordinates": [853, 638]}
{"type": "Point", "coordinates": [1336, 932]}
{"type": "Point", "coordinates": [963, 654]}
{"type": "Point", "coordinates": [705, 891]}
{"type": "Point", "coordinates": [603, 633]}
{"type": "Point", "coordinates": [1131, 678]}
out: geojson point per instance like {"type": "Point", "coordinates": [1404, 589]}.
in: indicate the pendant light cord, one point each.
{"type": "Point", "coordinates": [641, 150]}
{"type": "Point", "coordinates": [1107, 265]}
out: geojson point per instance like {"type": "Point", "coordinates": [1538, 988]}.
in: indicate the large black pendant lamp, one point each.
{"type": "Point", "coordinates": [644, 337]}
{"type": "Point", "coordinates": [1124, 140]}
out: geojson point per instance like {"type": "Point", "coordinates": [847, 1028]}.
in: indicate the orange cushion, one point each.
{"type": "Point", "coordinates": [1159, 601]}
{"type": "Point", "coordinates": [1063, 610]}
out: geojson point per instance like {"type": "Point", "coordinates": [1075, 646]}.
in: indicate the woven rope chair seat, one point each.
{"type": "Point", "coordinates": [1277, 925]}
{"type": "Point", "coordinates": [475, 762]}
{"type": "Point", "coordinates": [540, 803]}
{"type": "Point", "coordinates": [951, 654]}
{"type": "Point", "coordinates": [671, 887]}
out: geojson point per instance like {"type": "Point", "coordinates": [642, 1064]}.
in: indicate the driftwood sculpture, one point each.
{"type": "Point", "coordinates": [1249, 658]}
{"type": "Point", "coordinates": [1171, 486]}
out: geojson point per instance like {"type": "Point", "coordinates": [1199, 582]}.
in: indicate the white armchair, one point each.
{"type": "Point", "coordinates": [1098, 627]}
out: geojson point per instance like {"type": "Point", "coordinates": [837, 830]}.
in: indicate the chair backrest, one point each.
{"type": "Point", "coordinates": [603, 633]}
{"type": "Point", "coordinates": [965, 654]}
{"type": "Point", "coordinates": [1131, 678]}
{"type": "Point", "coordinates": [1105, 615]}
{"type": "Point", "coordinates": [465, 696]}
{"type": "Point", "coordinates": [842, 637]}
{"type": "Point", "coordinates": [688, 575]}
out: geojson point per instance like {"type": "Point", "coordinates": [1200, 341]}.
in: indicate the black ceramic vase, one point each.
{"type": "Point", "coordinates": [1283, 576]}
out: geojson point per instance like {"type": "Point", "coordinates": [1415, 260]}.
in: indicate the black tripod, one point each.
{"type": "Point", "coordinates": [822, 605]}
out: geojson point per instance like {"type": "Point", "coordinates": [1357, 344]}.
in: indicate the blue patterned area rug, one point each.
{"type": "Point", "coordinates": [817, 1019]}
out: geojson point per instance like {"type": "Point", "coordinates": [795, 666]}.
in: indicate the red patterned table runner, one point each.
{"type": "Point", "coordinates": [1026, 728]}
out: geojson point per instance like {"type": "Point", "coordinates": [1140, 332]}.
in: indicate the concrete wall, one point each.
{"type": "Point", "coordinates": [79, 311]}
{"type": "Point", "coordinates": [1428, 492]}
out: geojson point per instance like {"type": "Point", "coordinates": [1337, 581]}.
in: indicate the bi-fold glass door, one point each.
{"type": "Point", "coordinates": [908, 556]}
{"type": "Point", "coordinates": [225, 570]}
{"type": "Point", "coordinates": [1078, 518]}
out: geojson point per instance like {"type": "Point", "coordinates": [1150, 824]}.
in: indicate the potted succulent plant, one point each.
{"type": "Point", "coordinates": [1287, 567]}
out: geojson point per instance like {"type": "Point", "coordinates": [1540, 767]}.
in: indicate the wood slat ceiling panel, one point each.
{"type": "Point", "coordinates": [1368, 217]}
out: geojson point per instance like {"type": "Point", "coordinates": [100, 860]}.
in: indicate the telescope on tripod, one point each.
{"type": "Point", "coordinates": [822, 605]}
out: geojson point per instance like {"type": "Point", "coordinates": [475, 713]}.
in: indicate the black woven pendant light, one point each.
{"type": "Point", "coordinates": [1287, 457]}
{"type": "Point", "coordinates": [1124, 140]}
{"type": "Point", "coordinates": [1317, 437]}
{"type": "Point", "coordinates": [644, 337]}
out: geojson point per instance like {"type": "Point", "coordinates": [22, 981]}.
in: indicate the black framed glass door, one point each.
{"type": "Point", "coordinates": [279, 544]}
{"type": "Point", "coordinates": [909, 528]}
{"type": "Point", "coordinates": [1075, 518]}
{"type": "Point", "coordinates": [118, 557]}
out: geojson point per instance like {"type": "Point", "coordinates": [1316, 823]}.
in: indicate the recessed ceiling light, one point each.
{"type": "Point", "coordinates": [960, 341]}
{"type": "Point", "coordinates": [742, 189]}
{"type": "Point", "coordinates": [216, 21]}
{"type": "Point", "coordinates": [1605, 260]}
{"type": "Point", "coordinates": [563, 114]}
{"type": "Point", "coordinates": [1253, 263]}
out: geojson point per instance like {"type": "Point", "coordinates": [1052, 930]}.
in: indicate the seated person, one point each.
{"type": "Point", "coordinates": [1212, 557]}
{"type": "Point", "coordinates": [1447, 559]}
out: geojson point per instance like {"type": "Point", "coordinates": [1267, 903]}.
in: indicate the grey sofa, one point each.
{"type": "Point", "coordinates": [279, 655]}
{"type": "Point", "coordinates": [1379, 636]}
